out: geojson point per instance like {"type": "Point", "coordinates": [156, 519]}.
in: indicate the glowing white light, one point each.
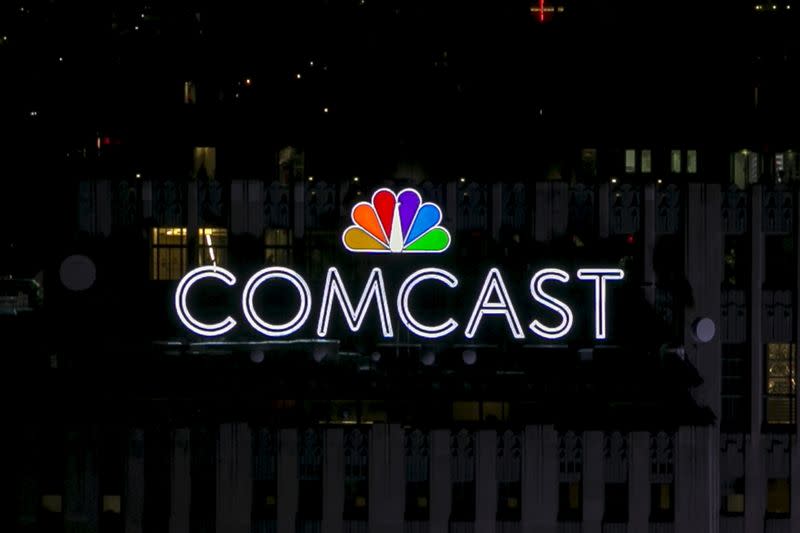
{"type": "Point", "coordinates": [563, 310]}
{"type": "Point", "coordinates": [600, 276]}
{"type": "Point", "coordinates": [494, 285]}
{"type": "Point", "coordinates": [430, 332]}
{"type": "Point", "coordinates": [210, 249]}
{"type": "Point", "coordinates": [259, 324]}
{"type": "Point", "coordinates": [334, 288]}
{"type": "Point", "coordinates": [192, 277]}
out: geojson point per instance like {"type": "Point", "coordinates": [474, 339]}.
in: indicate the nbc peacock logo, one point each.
{"type": "Point", "coordinates": [396, 223]}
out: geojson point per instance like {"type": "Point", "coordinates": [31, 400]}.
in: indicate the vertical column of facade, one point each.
{"type": "Point", "coordinates": [795, 458]}
{"type": "Point", "coordinates": [497, 209]}
{"type": "Point", "coordinates": [180, 482]}
{"type": "Point", "coordinates": [27, 481]}
{"type": "Point", "coordinates": [255, 207]}
{"type": "Point", "coordinates": [486, 481]}
{"type": "Point", "coordinates": [238, 206]}
{"type": "Point", "coordinates": [147, 199]}
{"type": "Point", "coordinates": [696, 500]}
{"type": "Point", "coordinates": [451, 202]}
{"type": "Point", "coordinates": [755, 482]}
{"type": "Point", "coordinates": [543, 225]}
{"type": "Point", "coordinates": [639, 485]}
{"type": "Point", "coordinates": [540, 480]}
{"type": "Point", "coordinates": [697, 479]}
{"type": "Point", "coordinates": [234, 478]}
{"type": "Point", "coordinates": [133, 502]}
{"type": "Point", "coordinates": [299, 211]}
{"type": "Point", "coordinates": [287, 474]}
{"type": "Point", "coordinates": [441, 495]}
{"type": "Point", "coordinates": [559, 206]}
{"type": "Point", "coordinates": [192, 215]}
{"type": "Point", "coordinates": [103, 207]}
{"type": "Point", "coordinates": [333, 482]}
{"type": "Point", "coordinates": [386, 479]}
{"type": "Point", "coordinates": [603, 210]}
{"type": "Point", "coordinates": [593, 485]}
{"type": "Point", "coordinates": [649, 242]}
{"type": "Point", "coordinates": [81, 488]}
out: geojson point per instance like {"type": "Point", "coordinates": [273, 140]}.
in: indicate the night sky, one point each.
{"type": "Point", "coordinates": [466, 88]}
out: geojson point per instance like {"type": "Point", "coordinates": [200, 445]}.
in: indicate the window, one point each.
{"type": "Point", "coordinates": [168, 251]}
{"type": "Point", "coordinates": [735, 381]}
{"type": "Point", "coordinates": [779, 260]}
{"type": "Point", "coordinates": [417, 498]}
{"type": "Point", "coordinates": [780, 386]}
{"type": "Point", "coordinates": [616, 503]}
{"type": "Point", "coordinates": [265, 500]}
{"type": "Point", "coordinates": [189, 92]}
{"type": "Point", "coordinates": [745, 168]}
{"type": "Point", "coordinates": [465, 411]}
{"type": "Point", "coordinates": [212, 247]}
{"type": "Point", "coordinates": [630, 161]}
{"type": "Point", "coordinates": [509, 496]}
{"type": "Point", "coordinates": [778, 495]}
{"type": "Point", "coordinates": [168, 255]}
{"type": "Point", "coordinates": [733, 497]}
{"type": "Point", "coordinates": [691, 161]}
{"type": "Point", "coordinates": [646, 161]}
{"type": "Point", "coordinates": [662, 507]}
{"type": "Point", "coordinates": [675, 161]}
{"type": "Point", "coordinates": [737, 261]}
{"type": "Point", "coordinates": [278, 247]}
{"type": "Point", "coordinates": [570, 501]}
{"type": "Point", "coordinates": [463, 509]}
{"type": "Point", "coordinates": [205, 162]}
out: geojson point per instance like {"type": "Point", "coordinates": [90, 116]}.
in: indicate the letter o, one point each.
{"type": "Point", "coordinates": [261, 325]}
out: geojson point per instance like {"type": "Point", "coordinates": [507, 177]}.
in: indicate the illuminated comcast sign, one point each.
{"type": "Point", "coordinates": [398, 223]}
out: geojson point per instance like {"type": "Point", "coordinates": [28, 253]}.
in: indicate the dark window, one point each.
{"type": "Point", "coordinates": [616, 503]}
{"type": "Point", "coordinates": [355, 499]}
{"type": "Point", "coordinates": [417, 500]}
{"type": "Point", "coordinates": [265, 499]}
{"type": "Point", "coordinates": [778, 496]}
{"type": "Point", "coordinates": [736, 261]}
{"type": "Point", "coordinates": [570, 501]}
{"type": "Point", "coordinates": [463, 501]}
{"type": "Point", "coordinates": [735, 386]}
{"type": "Point", "coordinates": [309, 501]}
{"type": "Point", "coordinates": [509, 496]}
{"type": "Point", "coordinates": [779, 250]}
{"type": "Point", "coordinates": [662, 502]}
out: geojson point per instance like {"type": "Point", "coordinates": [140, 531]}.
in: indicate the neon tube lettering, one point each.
{"type": "Point", "coordinates": [264, 327]}
{"type": "Point", "coordinates": [430, 332]}
{"type": "Point", "coordinates": [600, 276]}
{"type": "Point", "coordinates": [562, 309]}
{"type": "Point", "coordinates": [494, 285]}
{"type": "Point", "coordinates": [334, 288]}
{"type": "Point", "coordinates": [192, 277]}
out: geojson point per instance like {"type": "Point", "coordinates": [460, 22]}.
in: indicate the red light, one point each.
{"type": "Point", "coordinates": [541, 10]}
{"type": "Point", "coordinates": [106, 141]}
{"type": "Point", "coordinates": [630, 239]}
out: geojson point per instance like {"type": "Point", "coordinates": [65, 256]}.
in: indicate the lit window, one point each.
{"type": "Point", "coordinates": [691, 161]}
{"type": "Point", "coordinates": [466, 411]}
{"type": "Point", "coordinates": [778, 495]}
{"type": "Point", "coordinates": [205, 162]}
{"type": "Point", "coordinates": [168, 255]}
{"type": "Point", "coordinates": [189, 92]}
{"type": "Point", "coordinates": [733, 497]}
{"type": "Point", "coordinates": [278, 247]}
{"type": "Point", "coordinates": [675, 161]}
{"type": "Point", "coordinates": [646, 161]}
{"type": "Point", "coordinates": [630, 161]}
{"type": "Point", "coordinates": [52, 503]}
{"type": "Point", "coordinates": [111, 503]}
{"type": "Point", "coordinates": [781, 386]}
{"type": "Point", "coordinates": [212, 247]}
